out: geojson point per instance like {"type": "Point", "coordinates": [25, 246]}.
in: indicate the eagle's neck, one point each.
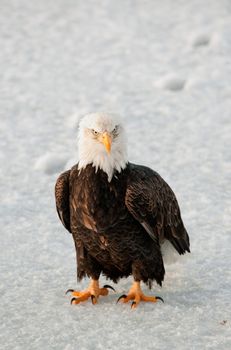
{"type": "Point", "coordinates": [109, 163]}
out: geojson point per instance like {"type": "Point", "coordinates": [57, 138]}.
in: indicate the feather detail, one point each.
{"type": "Point", "coordinates": [62, 199]}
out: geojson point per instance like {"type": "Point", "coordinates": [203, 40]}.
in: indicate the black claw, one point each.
{"type": "Point", "coordinates": [133, 303]}
{"type": "Point", "coordinates": [92, 299]}
{"type": "Point", "coordinates": [159, 298]}
{"type": "Point", "coordinates": [73, 300]}
{"type": "Point", "coordinates": [69, 291]}
{"type": "Point", "coordinates": [107, 286]}
{"type": "Point", "coordinates": [122, 296]}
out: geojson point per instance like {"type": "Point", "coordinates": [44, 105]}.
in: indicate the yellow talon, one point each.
{"type": "Point", "coordinates": [135, 293]}
{"type": "Point", "coordinates": [93, 292]}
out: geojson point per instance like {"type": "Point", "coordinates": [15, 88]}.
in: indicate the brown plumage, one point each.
{"type": "Point", "coordinates": [118, 226]}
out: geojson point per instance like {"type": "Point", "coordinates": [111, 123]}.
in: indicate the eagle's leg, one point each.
{"type": "Point", "coordinates": [135, 293]}
{"type": "Point", "coordinates": [93, 291]}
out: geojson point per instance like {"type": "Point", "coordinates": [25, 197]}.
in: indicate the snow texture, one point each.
{"type": "Point", "coordinates": [60, 59]}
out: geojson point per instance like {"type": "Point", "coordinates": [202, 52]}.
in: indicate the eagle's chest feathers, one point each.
{"type": "Point", "coordinates": [100, 202]}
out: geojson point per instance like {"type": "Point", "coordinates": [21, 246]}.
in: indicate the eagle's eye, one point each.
{"type": "Point", "coordinates": [115, 130]}
{"type": "Point", "coordinates": [95, 133]}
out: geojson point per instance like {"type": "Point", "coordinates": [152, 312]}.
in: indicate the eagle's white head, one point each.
{"type": "Point", "coordinates": [102, 143]}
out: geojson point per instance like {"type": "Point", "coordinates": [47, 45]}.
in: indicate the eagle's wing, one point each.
{"type": "Point", "coordinates": [62, 199]}
{"type": "Point", "coordinates": [152, 202]}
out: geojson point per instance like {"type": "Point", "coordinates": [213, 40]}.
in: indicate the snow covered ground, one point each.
{"type": "Point", "coordinates": [165, 67]}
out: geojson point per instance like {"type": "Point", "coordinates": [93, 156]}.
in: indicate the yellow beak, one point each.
{"type": "Point", "coordinates": [106, 140]}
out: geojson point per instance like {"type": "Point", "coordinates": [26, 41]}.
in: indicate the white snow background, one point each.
{"type": "Point", "coordinates": [165, 66]}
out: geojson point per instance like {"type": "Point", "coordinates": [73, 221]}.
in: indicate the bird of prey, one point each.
{"type": "Point", "coordinates": [119, 213]}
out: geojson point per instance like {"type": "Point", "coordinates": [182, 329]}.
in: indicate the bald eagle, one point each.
{"type": "Point", "coordinates": [118, 213]}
